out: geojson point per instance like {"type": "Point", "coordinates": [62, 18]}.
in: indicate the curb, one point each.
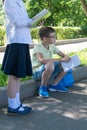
{"type": "Point", "coordinates": [80, 73]}
{"type": "Point", "coordinates": [29, 88]}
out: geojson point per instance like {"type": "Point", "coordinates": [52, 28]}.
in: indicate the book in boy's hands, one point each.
{"type": "Point", "coordinates": [45, 13]}
{"type": "Point", "coordinates": [74, 62]}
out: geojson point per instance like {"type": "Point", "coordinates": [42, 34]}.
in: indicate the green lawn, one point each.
{"type": "Point", "coordinates": [82, 55]}
{"type": "Point", "coordinates": [4, 79]}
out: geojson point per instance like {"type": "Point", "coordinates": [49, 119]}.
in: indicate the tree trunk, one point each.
{"type": "Point", "coordinates": [84, 6]}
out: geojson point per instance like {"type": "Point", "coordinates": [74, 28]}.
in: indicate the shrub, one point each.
{"type": "Point", "coordinates": [64, 32]}
{"type": "Point", "coordinates": [61, 32]}
{"type": "Point", "coordinates": [67, 32]}
{"type": "Point", "coordinates": [2, 36]}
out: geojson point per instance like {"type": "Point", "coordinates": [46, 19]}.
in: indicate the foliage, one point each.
{"type": "Point", "coordinates": [1, 13]}
{"type": "Point", "coordinates": [64, 12]}
{"type": "Point", "coordinates": [2, 36]}
{"type": "Point", "coordinates": [67, 32]}
{"type": "Point", "coordinates": [64, 32]}
{"type": "Point", "coordinates": [4, 78]}
{"type": "Point", "coordinates": [61, 33]}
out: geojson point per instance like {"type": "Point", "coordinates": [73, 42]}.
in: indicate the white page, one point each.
{"type": "Point", "coordinates": [74, 62]}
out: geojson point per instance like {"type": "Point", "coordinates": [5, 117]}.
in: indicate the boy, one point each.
{"type": "Point", "coordinates": [45, 67]}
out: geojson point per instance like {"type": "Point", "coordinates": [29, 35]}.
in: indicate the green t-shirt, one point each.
{"type": "Point", "coordinates": [39, 48]}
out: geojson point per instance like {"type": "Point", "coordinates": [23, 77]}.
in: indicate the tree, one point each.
{"type": "Point", "coordinates": [84, 5]}
{"type": "Point", "coordinates": [64, 12]}
{"type": "Point", "coordinates": [1, 14]}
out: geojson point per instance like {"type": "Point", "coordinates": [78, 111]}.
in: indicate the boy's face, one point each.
{"type": "Point", "coordinates": [51, 39]}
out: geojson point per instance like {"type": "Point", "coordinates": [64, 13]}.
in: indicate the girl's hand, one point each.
{"type": "Point", "coordinates": [41, 22]}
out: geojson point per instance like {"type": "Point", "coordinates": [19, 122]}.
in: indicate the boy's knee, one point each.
{"type": "Point", "coordinates": [50, 67]}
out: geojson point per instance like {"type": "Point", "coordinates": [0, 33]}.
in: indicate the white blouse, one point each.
{"type": "Point", "coordinates": [17, 22]}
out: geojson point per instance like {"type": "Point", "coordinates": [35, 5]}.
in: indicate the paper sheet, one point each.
{"type": "Point", "coordinates": [74, 62]}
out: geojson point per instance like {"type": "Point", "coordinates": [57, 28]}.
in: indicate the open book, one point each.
{"type": "Point", "coordinates": [74, 62]}
{"type": "Point", "coordinates": [41, 15]}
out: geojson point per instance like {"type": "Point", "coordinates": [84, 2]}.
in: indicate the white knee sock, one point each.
{"type": "Point", "coordinates": [12, 103]}
{"type": "Point", "coordinates": [18, 98]}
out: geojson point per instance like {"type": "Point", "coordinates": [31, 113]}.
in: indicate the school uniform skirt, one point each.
{"type": "Point", "coordinates": [17, 60]}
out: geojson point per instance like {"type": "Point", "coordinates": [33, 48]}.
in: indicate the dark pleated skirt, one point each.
{"type": "Point", "coordinates": [17, 61]}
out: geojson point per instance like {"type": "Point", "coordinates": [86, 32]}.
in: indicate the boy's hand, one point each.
{"type": "Point", "coordinates": [66, 58]}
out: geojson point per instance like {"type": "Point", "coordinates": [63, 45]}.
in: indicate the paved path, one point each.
{"type": "Point", "coordinates": [62, 111]}
{"type": "Point", "coordinates": [73, 47]}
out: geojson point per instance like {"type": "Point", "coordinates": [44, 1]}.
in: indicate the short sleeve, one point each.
{"type": "Point", "coordinates": [54, 49]}
{"type": "Point", "coordinates": [37, 49]}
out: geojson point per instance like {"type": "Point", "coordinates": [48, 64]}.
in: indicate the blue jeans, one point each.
{"type": "Point", "coordinates": [38, 74]}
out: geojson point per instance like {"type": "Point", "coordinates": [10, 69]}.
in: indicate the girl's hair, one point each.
{"type": "Point", "coordinates": [45, 32]}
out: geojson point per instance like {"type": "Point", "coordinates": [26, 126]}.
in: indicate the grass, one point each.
{"type": "Point", "coordinates": [82, 55]}
{"type": "Point", "coordinates": [4, 79]}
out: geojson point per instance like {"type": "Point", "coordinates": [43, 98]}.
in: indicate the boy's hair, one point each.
{"type": "Point", "coordinates": [45, 32]}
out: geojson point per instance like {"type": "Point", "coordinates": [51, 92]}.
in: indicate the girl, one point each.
{"type": "Point", "coordinates": [16, 63]}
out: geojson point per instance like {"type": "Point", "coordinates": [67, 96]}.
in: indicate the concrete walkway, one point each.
{"type": "Point", "coordinates": [62, 111]}
{"type": "Point", "coordinates": [74, 47]}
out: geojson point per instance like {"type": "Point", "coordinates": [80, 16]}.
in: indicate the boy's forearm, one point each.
{"type": "Point", "coordinates": [45, 61]}
{"type": "Point", "coordinates": [64, 57]}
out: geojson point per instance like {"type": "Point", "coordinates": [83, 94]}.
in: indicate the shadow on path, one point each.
{"type": "Point", "coordinates": [62, 111]}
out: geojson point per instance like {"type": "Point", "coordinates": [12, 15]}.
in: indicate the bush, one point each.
{"type": "Point", "coordinates": [3, 78]}
{"type": "Point", "coordinates": [64, 32]}
{"type": "Point", "coordinates": [83, 31]}
{"type": "Point", "coordinates": [67, 33]}
{"type": "Point", "coordinates": [34, 33]}
{"type": "Point", "coordinates": [61, 32]}
{"type": "Point", "coordinates": [2, 36]}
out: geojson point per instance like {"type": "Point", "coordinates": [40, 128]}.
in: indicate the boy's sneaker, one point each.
{"type": "Point", "coordinates": [58, 88]}
{"type": "Point", "coordinates": [43, 91]}
{"type": "Point", "coordinates": [53, 88]}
